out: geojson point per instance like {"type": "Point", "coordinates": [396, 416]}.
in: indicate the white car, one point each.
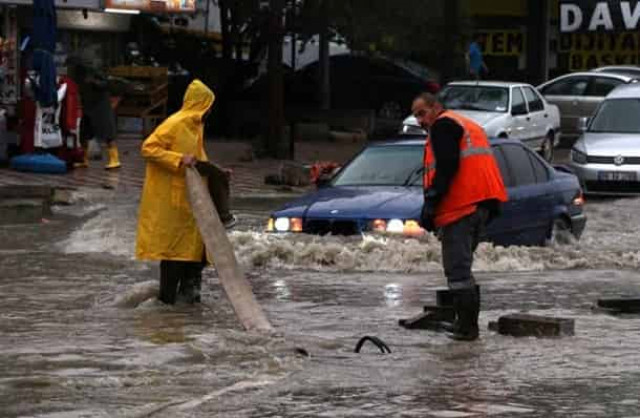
{"type": "Point", "coordinates": [504, 110]}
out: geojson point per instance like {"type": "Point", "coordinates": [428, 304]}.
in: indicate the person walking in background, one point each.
{"type": "Point", "coordinates": [476, 66]}
{"type": "Point", "coordinates": [463, 191]}
{"type": "Point", "coordinates": [167, 231]}
{"type": "Point", "coordinates": [99, 119]}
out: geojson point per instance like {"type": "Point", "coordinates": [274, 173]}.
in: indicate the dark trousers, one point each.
{"type": "Point", "coordinates": [185, 274]}
{"type": "Point", "coordinates": [218, 183]}
{"type": "Point", "coordinates": [459, 241]}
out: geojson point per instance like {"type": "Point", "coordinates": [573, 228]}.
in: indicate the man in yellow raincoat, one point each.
{"type": "Point", "coordinates": [167, 231]}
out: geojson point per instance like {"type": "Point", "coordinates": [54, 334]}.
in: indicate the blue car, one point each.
{"type": "Point", "coordinates": [380, 189]}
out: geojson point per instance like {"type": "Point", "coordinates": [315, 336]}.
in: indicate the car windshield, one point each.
{"type": "Point", "coordinates": [392, 165]}
{"type": "Point", "coordinates": [617, 116]}
{"type": "Point", "coordinates": [482, 98]}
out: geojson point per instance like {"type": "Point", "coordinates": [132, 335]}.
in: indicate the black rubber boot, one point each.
{"type": "Point", "coordinates": [169, 277]}
{"type": "Point", "coordinates": [191, 285]}
{"type": "Point", "coordinates": [467, 306]}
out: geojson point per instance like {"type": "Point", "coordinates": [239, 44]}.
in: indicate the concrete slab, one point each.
{"type": "Point", "coordinates": [527, 325]}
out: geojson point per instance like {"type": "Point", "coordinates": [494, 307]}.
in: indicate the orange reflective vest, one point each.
{"type": "Point", "coordinates": [478, 177]}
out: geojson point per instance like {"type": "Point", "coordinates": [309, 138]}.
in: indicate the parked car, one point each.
{"type": "Point", "coordinates": [579, 94]}
{"type": "Point", "coordinates": [357, 82]}
{"type": "Point", "coordinates": [504, 110]}
{"type": "Point", "coordinates": [381, 190]}
{"type": "Point", "coordinates": [630, 70]}
{"type": "Point", "coordinates": [606, 158]}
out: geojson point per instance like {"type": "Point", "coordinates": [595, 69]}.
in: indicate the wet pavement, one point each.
{"type": "Point", "coordinates": [77, 338]}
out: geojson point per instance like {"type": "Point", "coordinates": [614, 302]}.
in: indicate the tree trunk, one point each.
{"type": "Point", "coordinates": [227, 44]}
{"type": "Point", "coordinates": [275, 123]}
{"type": "Point", "coordinates": [451, 18]}
{"type": "Point", "coordinates": [324, 73]}
{"type": "Point", "coordinates": [235, 33]}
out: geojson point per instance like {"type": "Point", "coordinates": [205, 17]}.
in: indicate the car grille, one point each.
{"type": "Point", "coordinates": [613, 186]}
{"type": "Point", "coordinates": [333, 227]}
{"type": "Point", "coordinates": [611, 160]}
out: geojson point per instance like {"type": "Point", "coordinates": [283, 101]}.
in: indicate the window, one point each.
{"type": "Point", "coordinates": [520, 165]}
{"type": "Point", "coordinates": [601, 86]}
{"type": "Point", "coordinates": [539, 169]}
{"type": "Point", "coordinates": [617, 116]}
{"type": "Point", "coordinates": [569, 86]}
{"type": "Point", "coordinates": [481, 98]}
{"type": "Point", "coordinates": [518, 105]}
{"type": "Point", "coordinates": [534, 101]}
{"type": "Point", "coordinates": [391, 165]}
{"type": "Point", "coordinates": [502, 164]}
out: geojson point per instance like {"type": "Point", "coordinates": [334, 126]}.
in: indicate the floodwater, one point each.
{"type": "Point", "coordinates": [82, 336]}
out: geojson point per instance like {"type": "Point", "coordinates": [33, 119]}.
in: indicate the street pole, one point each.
{"type": "Point", "coordinates": [325, 80]}
{"type": "Point", "coordinates": [292, 124]}
{"type": "Point", "coordinates": [206, 20]}
{"type": "Point", "coordinates": [273, 137]}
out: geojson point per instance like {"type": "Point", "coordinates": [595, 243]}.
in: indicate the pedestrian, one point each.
{"type": "Point", "coordinates": [167, 231]}
{"type": "Point", "coordinates": [98, 116]}
{"type": "Point", "coordinates": [475, 61]}
{"type": "Point", "coordinates": [463, 192]}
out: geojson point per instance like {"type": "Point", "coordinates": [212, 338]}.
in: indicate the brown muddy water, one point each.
{"type": "Point", "coordinates": [79, 339]}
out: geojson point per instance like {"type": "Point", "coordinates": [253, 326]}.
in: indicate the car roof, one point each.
{"type": "Point", "coordinates": [614, 68]}
{"type": "Point", "coordinates": [488, 83]}
{"type": "Point", "coordinates": [417, 141]}
{"type": "Point", "coordinates": [624, 77]}
{"type": "Point", "coordinates": [625, 91]}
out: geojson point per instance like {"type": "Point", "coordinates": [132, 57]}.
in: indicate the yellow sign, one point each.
{"type": "Point", "coordinates": [590, 50]}
{"type": "Point", "coordinates": [502, 43]}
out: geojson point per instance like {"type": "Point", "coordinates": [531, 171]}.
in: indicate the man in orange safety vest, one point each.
{"type": "Point", "coordinates": [463, 191]}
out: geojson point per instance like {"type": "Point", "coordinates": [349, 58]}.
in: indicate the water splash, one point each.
{"type": "Point", "coordinates": [611, 241]}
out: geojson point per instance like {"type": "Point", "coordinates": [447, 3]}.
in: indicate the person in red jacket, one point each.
{"type": "Point", "coordinates": [463, 191]}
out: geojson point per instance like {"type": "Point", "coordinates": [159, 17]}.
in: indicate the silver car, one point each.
{"type": "Point", "coordinates": [630, 70]}
{"type": "Point", "coordinates": [579, 94]}
{"type": "Point", "coordinates": [606, 158]}
{"type": "Point", "coordinates": [504, 110]}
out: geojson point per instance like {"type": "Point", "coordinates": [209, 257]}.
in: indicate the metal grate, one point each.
{"type": "Point", "coordinates": [611, 160]}
{"type": "Point", "coordinates": [333, 227]}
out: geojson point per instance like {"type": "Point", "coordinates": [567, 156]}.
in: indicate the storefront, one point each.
{"type": "Point", "coordinates": [598, 33]}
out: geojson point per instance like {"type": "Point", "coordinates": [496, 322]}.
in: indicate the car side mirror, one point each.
{"type": "Point", "coordinates": [324, 179]}
{"type": "Point", "coordinates": [583, 124]}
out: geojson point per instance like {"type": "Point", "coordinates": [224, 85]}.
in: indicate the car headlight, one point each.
{"type": "Point", "coordinates": [395, 226]}
{"type": "Point", "coordinates": [282, 224]}
{"type": "Point", "coordinates": [398, 226]}
{"type": "Point", "coordinates": [578, 157]}
{"type": "Point", "coordinates": [285, 225]}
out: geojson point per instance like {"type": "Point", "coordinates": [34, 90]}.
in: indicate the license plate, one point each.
{"type": "Point", "coordinates": [617, 176]}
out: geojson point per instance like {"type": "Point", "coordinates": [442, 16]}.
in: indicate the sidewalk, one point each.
{"type": "Point", "coordinates": [247, 179]}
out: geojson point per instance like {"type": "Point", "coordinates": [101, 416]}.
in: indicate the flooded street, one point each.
{"type": "Point", "coordinates": [79, 339]}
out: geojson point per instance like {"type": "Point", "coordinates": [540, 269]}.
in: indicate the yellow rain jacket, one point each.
{"type": "Point", "coordinates": [166, 227]}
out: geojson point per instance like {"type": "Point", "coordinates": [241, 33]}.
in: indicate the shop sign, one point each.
{"type": "Point", "coordinates": [599, 16]}
{"type": "Point", "coordinates": [153, 6]}
{"type": "Point", "coordinates": [590, 50]}
{"type": "Point", "coordinates": [502, 43]}
{"type": "Point", "coordinates": [9, 60]}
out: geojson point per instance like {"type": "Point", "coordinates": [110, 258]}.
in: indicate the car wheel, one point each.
{"type": "Point", "coordinates": [546, 149]}
{"type": "Point", "coordinates": [561, 233]}
{"type": "Point", "coordinates": [390, 110]}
